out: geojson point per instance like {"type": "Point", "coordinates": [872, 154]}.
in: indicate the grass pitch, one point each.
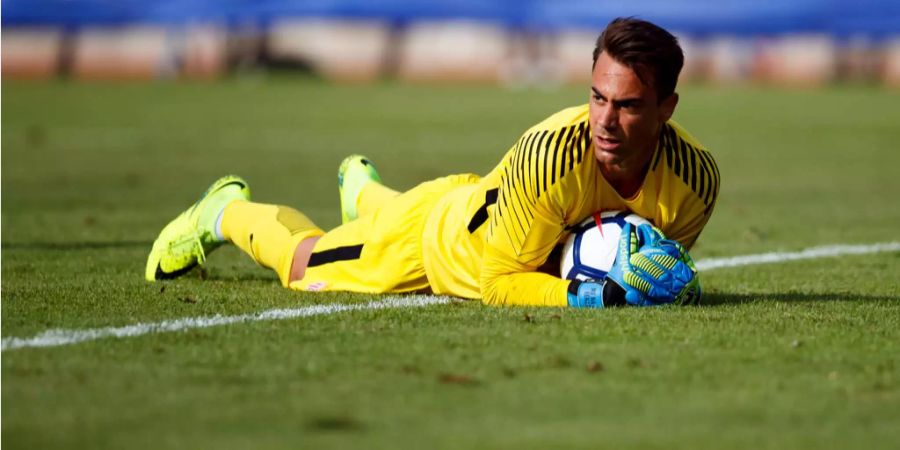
{"type": "Point", "coordinates": [794, 355]}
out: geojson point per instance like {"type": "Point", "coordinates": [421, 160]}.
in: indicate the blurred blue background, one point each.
{"type": "Point", "coordinates": [875, 18]}
{"type": "Point", "coordinates": [524, 42]}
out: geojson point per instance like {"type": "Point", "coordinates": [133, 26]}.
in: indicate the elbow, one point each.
{"type": "Point", "coordinates": [490, 292]}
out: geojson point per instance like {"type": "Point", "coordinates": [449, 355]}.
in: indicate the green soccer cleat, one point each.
{"type": "Point", "coordinates": [185, 241]}
{"type": "Point", "coordinates": [355, 172]}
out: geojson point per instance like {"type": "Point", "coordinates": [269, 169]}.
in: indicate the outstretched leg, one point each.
{"type": "Point", "coordinates": [270, 234]}
{"type": "Point", "coordinates": [186, 240]}
{"type": "Point", "coordinates": [372, 197]}
{"type": "Point", "coordinates": [360, 187]}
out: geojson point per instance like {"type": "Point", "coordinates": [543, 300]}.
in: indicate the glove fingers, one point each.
{"type": "Point", "coordinates": [634, 298]}
{"type": "Point", "coordinates": [649, 287]}
{"type": "Point", "coordinates": [674, 258]}
{"type": "Point", "coordinates": [645, 265]}
{"type": "Point", "coordinates": [648, 235]}
{"type": "Point", "coordinates": [658, 274]}
{"type": "Point", "coordinates": [638, 271]}
{"type": "Point", "coordinates": [656, 264]}
{"type": "Point", "coordinates": [637, 282]}
{"type": "Point", "coordinates": [653, 270]}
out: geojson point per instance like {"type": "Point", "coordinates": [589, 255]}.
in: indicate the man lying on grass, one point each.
{"type": "Point", "coordinates": [486, 237]}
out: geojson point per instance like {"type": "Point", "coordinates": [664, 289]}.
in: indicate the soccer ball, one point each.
{"type": "Point", "coordinates": [590, 250]}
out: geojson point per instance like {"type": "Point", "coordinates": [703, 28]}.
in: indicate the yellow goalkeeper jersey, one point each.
{"type": "Point", "coordinates": [487, 239]}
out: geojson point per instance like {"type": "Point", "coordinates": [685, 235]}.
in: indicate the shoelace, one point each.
{"type": "Point", "coordinates": [185, 247]}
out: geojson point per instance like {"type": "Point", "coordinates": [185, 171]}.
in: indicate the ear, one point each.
{"type": "Point", "coordinates": [667, 107]}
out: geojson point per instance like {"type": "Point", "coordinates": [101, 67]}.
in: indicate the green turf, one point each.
{"type": "Point", "coordinates": [794, 355]}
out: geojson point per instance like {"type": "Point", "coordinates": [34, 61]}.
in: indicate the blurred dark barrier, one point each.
{"type": "Point", "coordinates": [524, 41]}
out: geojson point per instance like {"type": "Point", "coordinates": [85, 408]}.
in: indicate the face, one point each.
{"type": "Point", "coordinates": [625, 116]}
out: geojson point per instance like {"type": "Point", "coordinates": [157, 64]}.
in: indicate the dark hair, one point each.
{"type": "Point", "coordinates": [648, 50]}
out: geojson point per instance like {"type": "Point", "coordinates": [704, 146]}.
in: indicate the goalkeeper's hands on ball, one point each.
{"type": "Point", "coordinates": [649, 270]}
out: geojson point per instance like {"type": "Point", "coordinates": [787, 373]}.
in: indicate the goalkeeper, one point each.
{"type": "Point", "coordinates": [487, 237]}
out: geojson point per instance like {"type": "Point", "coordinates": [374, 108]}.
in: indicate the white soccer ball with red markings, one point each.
{"type": "Point", "coordinates": [591, 249]}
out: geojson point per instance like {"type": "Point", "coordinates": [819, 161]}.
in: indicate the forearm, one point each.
{"type": "Point", "coordinates": [525, 289]}
{"type": "Point", "coordinates": [505, 283]}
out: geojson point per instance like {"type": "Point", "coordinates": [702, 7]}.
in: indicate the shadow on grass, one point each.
{"type": "Point", "coordinates": [262, 276]}
{"type": "Point", "coordinates": [74, 246]}
{"type": "Point", "coordinates": [717, 298]}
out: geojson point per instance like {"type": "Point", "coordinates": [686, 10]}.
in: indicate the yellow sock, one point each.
{"type": "Point", "coordinates": [268, 233]}
{"type": "Point", "coordinates": [372, 196]}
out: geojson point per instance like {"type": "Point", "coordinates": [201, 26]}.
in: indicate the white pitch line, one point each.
{"type": "Point", "coordinates": [58, 337]}
{"type": "Point", "coordinates": [809, 253]}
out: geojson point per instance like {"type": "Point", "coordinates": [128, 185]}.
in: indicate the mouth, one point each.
{"type": "Point", "coordinates": [607, 143]}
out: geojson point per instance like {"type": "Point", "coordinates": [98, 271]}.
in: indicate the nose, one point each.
{"type": "Point", "coordinates": [608, 117]}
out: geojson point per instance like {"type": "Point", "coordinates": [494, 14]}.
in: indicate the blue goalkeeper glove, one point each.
{"type": "Point", "coordinates": [599, 293]}
{"type": "Point", "coordinates": [656, 271]}
{"type": "Point", "coordinates": [649, 270]}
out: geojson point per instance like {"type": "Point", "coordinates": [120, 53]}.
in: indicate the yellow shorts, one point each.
{"type": "Point", "coordinates": [380, 252]}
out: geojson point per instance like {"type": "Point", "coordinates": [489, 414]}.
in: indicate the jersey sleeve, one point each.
{"type": "Point", "coordinates": [695, 169]}
{"type": "Point", "coordinates": [530, 216]}
{"type": "Point", "coordinates": [687, 231]}
{"type": "Point", "coordinates": [701, 176]}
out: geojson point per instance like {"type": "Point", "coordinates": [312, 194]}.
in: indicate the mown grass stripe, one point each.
{"type": "Point", "coordinates": [59, 337]}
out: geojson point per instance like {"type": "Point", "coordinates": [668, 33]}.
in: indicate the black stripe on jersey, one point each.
{"type": "Point", "coordinates": [526, 212]}
{"type": "Point", "coordinates": [677, 162]}
{"type": "Point", "coordinates": [543, 176]}
{"type": "Point", "coordinates": [519, 165]}
{"type": "Point", "coordinates": [569, 151]}
{"type": "Point", "coordinates": [692, 164]}
{"type": "Point", "coordinates": [670, 146]}
{"type": "Point", "coordinates": [574, 148]}
{"type": "Point", "coordinates": [521, 183]}
{"type": "Point", "coordinates": [523, 161]}
{"type": "Point", "coordinates": [710, 165]}
{"type": "Point", "coordinates": [533, 152]}
{"type": "Point", "coordinates": [519, 145]}
{"type": "Point", "coordinates": [660, 146]}
{"type": "Point", "coordinates": [694, 169]}
{"type": "Point", "coordinates": [517, 155]}
{"type": "Point", "coordinates": [510, 170]}
{"type": "Point", "coordinates": [532, 188]}
{"type": "Point", "coordinates": [570, 133]}
{"type": "Point", "coordinates": [685, 159]}
{"type": "Point", "coordinates": [703, 177]}
{"type": "Point", "coordinates": [481, 216]}
{"type": "Point", "coordinates": [713, 191]}
{"type": "Point", "coordinates": [716, 168]}
{"type": "Point", "coordinates": [561, 150]}
{"type": "Point", "coordinates": [560, 142]}
{"type": "Point", "coordinates": [511, 207]}
{"type": "Point", "coordinates": [585, 142]}
{"type": "Point", "coordinates": [334, 255]}
{"type": "Point", "coordinates": [520, 141]}
{"type": "Point", "coordinates": [525, 176]}
{"type": "Point", "coordinates": [570, 148]}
